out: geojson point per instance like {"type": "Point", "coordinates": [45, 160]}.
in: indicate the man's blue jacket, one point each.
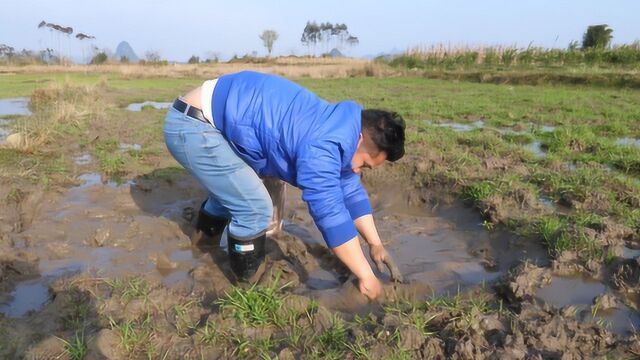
{"type": "Point", "coordinates": [281, 129]}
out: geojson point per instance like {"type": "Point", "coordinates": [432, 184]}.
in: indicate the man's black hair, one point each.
{"type": "Point", "coordinates": [386, 129]}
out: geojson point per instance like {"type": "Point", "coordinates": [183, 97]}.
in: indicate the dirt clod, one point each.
{"type": "Point", "coordinates": [522, 281]}
{"type": "Point", "coordinates": [626, 277]}
{"type": "Point", "coordinates": [605, 301]}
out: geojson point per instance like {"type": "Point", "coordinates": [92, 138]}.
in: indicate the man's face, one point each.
{"type": "Point", "coordinates": [365, 157]}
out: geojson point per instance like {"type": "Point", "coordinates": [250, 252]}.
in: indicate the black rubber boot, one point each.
{"type": "Point", "coordinates": [209, 228]}
{"type": "Point", "coordinates": [246, 255]}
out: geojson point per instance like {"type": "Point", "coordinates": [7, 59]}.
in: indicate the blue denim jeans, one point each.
{"type": "Point", "coordinates": [235, 190]}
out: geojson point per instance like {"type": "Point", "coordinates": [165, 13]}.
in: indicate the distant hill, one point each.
{"type": "Point", "coordinates": [335, 53]}
{"type": "Point", "coordinates": [125, 50]}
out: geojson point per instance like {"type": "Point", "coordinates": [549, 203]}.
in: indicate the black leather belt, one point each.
{"type": "Point", "coordinates": [189, 110]}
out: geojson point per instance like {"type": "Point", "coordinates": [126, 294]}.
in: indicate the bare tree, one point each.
{"type": "Point", "coordinates": [81, 37]}
{"type": "Point", "coordinates": [67, 30]}
{"type": "Point", "coordinates": [152, 56]}
{"type": "Point", "coordinates": [268, 37]}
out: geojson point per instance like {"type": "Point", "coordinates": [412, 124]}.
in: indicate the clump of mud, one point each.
{"type": "Point", "coordinates": [16, 266]}
{"type": "Point", "coordinates": [626, 276]}
{"type": "Point", "coordinates": [521, 282]}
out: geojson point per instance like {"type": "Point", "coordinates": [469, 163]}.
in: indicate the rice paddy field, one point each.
{"type": "Point", "coordinates": [514, 218]}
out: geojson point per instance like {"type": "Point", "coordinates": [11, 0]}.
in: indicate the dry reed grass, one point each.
{"type": "Point", "coordinates": [291, 67]}
{"type": "Point", "coordinates": [58, 109]}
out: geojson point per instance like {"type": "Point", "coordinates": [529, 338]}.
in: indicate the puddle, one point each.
{"type": "Point", "coordinates": [570, 166]}
{"type": "Point", "coordinates": [579, 291]}
{"type": "Point", "coordinates": [567, 291]}
{"type": "Point", "coordinates": [14, 106]}
{"type": "Point", "coordinates": [458, 127]}
{"type": "Point", "coordinates": [127, 147]}
{"type": "Point", "coordinates": [33, 295]}
{"type": "Point", "coordinates": [437, 250]}
{"type": "Point", "coordinates": [622, 320]}
{"type": "Point", "coordinates": [93, 179]}
{"type": "Point", "coordinates": [628, 141]}
{"type": "Point", "coordinates": [629, 253]}
{"type": "Point", "coordinates": [152, 104]}
{"type": "Point", "coordinates": [82, 160]}
{"type": "Point", "coordinates": [537, 150]}
{"type": "Point", "coordinates": [546, 201]}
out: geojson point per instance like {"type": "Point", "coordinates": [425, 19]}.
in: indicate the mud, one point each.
{"type": "Point", "coordinates": [102, 229]}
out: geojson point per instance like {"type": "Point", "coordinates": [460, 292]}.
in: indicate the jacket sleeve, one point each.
{"type": "Point", "coordinates": [356, 198]}
{"type": "Point", "coordinates": [318, 175]}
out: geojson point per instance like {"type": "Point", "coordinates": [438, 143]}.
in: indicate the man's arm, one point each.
{"type": "Point", "coordinates": [357, 202]}
{"type": "Point", "coordinates": [318, 175]}
{"type": "Point", "coordinates": [350, 253]}
{"type": "Point", "coordinates": [367, 228]}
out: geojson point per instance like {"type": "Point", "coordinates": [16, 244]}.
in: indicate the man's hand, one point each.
{"type": "Point", "coordinates": [370, 287]}
{"type": "Point", "coordinates": [381, 257]}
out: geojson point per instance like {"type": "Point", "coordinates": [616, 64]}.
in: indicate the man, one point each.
{"type": "Point", "coordinates": [232, 130]}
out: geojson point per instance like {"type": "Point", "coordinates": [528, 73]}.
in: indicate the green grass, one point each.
{"type": "Point", "coordinates": [135, 337]}
{"type": "Point", "coordinates": [420, 99]}
{"type": "Point", "coordinates": [333, 342]}
{"type": "Point", "coordinates": [255, 305]}
{"type": "Point", "coordinates": [76, 348]}
{"type": "Point", "coordinates": [183, 323]}
{"type": "Point", "coordinates": [131, 288]}
{"type": "Point", "coordinates": [478, 192]}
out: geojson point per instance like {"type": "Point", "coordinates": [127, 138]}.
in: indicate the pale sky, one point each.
{"type": "Point", "coordinates": [179, 29]}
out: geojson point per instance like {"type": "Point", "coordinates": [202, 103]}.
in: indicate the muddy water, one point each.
{"type": "Point", "coordinates": [580, 292]}
{"type": "Point", "coordinates": [141, 227]}
{"type": "Point", "coordinates": [439, 250]}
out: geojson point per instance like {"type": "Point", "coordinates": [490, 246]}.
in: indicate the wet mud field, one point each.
{"type": "Point", "coordinates": [103, 252]}
{"type": "Point", "coordinates": [515, 242]}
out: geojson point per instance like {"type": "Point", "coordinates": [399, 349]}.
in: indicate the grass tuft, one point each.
{"type": "Point", "coordinates": [255, 305]}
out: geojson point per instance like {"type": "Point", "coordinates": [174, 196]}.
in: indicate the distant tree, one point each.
{"type": "Point", "coordinates": [310, 35]}
{"type": "Point", "coordinates": [194, 60]}
{"type": "Point", "coordinates": [268, 37]}
{"type": "Point", "coordinates": [99, 58]}
{"type": "Point", "coordinates": [597, 36]}
{"type": "Point", "coordinates": [60, 29]}
{"type": "Point", "coordinates": [6, 51]}
{"type": "Point", "coordinates": [152, 56]}
{"type": "Point", "coordinates": [81, 37]}
{"type": "Point", "coordinates": [124, 59]}
{"type": "Point", "coordinates": [212, 57]}
{"type": "Point", "coordinates": [353, 41]}
{"type": "Point", "coordinates": [327, 34]}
